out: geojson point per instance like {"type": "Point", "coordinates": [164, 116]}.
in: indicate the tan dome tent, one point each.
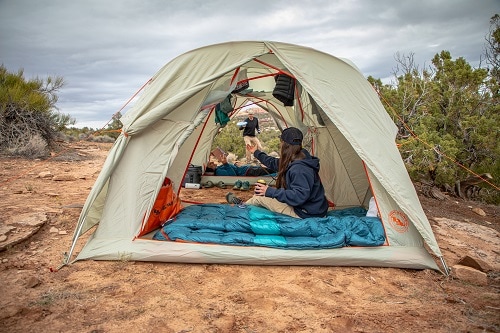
{"type": "Point", "coordinates": [172, 126]}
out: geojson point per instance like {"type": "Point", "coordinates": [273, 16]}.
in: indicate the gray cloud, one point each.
{"type": "Point", "coordinates": [106, 50]}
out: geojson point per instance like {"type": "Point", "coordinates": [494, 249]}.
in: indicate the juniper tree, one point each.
{"type": "Point", "coordinates": [28, 111]}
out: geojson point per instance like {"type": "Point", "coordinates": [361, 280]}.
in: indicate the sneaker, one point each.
{"type": "Point", "coordinates": [245, 186]}
{"type": "Point", "coordinates": [237, 185]}
{"type": "Point", "coordinates": [232, 199]}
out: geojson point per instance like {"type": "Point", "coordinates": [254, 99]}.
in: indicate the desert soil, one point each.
{"type": "Point", "coordinates": [40, 202]}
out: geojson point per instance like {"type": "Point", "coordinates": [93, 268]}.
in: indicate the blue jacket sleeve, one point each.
{"type": "Point", "coordinates": [269, 161]}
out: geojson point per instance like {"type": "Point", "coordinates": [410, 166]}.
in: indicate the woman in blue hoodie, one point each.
{"type": "Point", "coordinates": [298, 192]}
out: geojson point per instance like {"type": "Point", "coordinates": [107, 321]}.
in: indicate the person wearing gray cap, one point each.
{"type": "Point", "coordinates": [299, 191]}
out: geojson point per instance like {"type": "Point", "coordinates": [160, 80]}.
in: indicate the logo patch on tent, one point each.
{"type": "Point", "coordinates": [398, 221]}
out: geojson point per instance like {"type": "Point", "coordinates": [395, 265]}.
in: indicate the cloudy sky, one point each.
{"type": "Point", "coordinates": [106, 50]}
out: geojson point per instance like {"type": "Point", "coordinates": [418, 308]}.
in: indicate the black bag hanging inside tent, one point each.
{"type": "Point", "coordinates": [284, 90]}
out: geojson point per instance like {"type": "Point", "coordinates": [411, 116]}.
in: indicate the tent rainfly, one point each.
{"type": "Point", "coordinates": [172, 125]}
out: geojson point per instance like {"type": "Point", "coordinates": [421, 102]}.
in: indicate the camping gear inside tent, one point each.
{"type": "Point", "coordinates": [173, 123]}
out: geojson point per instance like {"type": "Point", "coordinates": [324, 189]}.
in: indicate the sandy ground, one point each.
{"type": "Point", "coordinates": [38, 216]}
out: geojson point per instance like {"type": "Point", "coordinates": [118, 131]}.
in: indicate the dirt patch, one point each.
{"type": "Point", "coordinates": [96, 296]}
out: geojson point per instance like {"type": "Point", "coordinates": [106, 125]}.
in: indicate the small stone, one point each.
{"type": "Point", "coordinates": [64, 178]}
{"type": "Point", "coordinates": [479, 211]}
{"type": "Point", "coordinates": [63, 232]}
{"type": "Point", "coordinates": [10, 311]}
{"type": "Point", "coordinates": [32, 282]}
{"type": "Point", "coordinates": [470, 274]}
{"type": "Point", "coordinates": [413, 313]}
{"type": "Point", "coordinates": [6, 229]}
{"type": "Point", "coordinates": [32, 219]}
{"type": "Point", "coordinates": [54, 230]}
{"type": "Point", "coordinates": [3, 238]}
{"type": "Point", "coordinates": [45, 174]}
{"type": "Point", "coordinates": [475, 263]}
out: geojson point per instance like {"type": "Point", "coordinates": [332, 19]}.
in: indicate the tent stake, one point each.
{"type": "Point", "coordinates": [446, 268]}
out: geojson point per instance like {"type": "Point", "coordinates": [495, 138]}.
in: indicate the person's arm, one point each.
{"type": "Point", "coordinates": [270, 162]}
{"type": "Point", "coordinates": [257, 126]}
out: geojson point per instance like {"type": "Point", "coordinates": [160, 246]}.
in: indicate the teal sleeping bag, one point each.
{"type": "Point", "coordinates": [256, 226]}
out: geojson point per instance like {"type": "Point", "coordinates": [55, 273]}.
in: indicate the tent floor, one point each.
{"type": "Point", "coordinates": [212, 195]}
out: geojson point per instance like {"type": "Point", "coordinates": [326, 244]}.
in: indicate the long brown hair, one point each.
{"type": "Point", "coordinates": [288, 154]}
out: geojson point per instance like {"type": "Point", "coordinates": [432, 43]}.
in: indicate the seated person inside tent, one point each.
{"type": "Point", "coordinates": [299, 191]}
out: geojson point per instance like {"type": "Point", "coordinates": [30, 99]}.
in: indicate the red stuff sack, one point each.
{"type": "Point", "coordinates": [167, 205]}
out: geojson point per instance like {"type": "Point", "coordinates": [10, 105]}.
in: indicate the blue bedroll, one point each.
{"type": "Point", "coordinates": [255, 226]}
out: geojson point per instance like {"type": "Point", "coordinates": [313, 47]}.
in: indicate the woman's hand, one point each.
{"type": "Point", "coordinates": [260, 189]}
{"type": "Point", "coordinates": [251, 148]}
